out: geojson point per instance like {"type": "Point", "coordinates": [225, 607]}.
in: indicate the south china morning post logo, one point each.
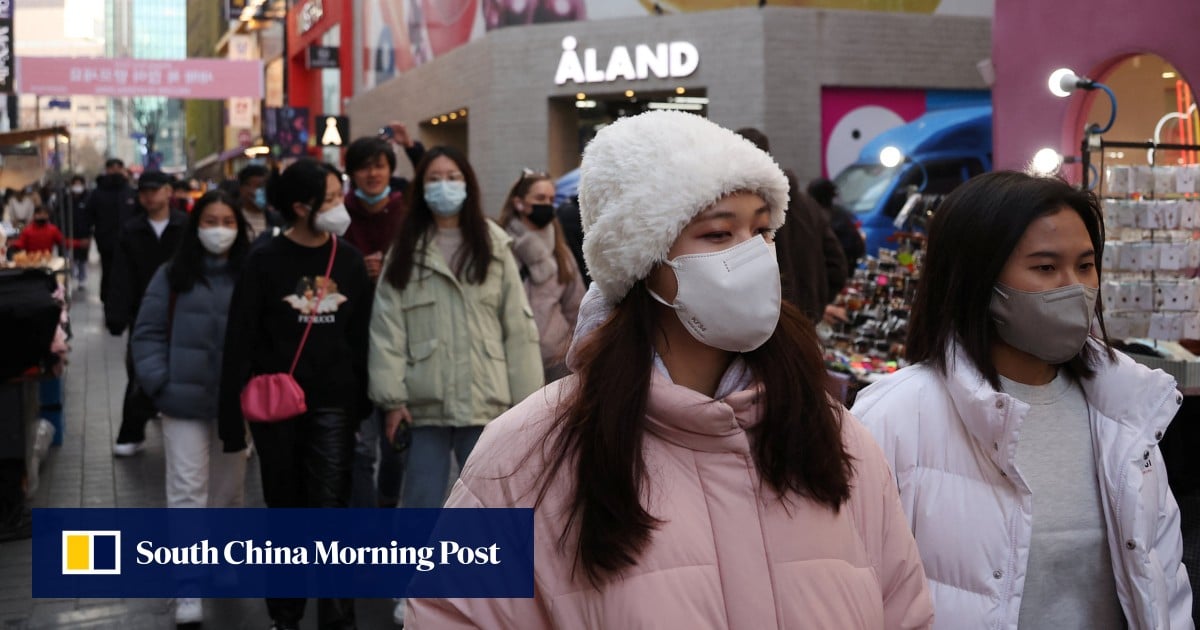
{"type": "Point", "coordinates": [91, 552]}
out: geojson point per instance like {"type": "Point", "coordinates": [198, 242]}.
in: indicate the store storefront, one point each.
{"type": "Point", "coordinates": [320, 68]}
{"type": "Point", "coordinates": [533, 96]}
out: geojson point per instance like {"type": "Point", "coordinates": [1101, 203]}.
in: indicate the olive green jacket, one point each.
{"type": "Point", "coordinates": [457, 354]}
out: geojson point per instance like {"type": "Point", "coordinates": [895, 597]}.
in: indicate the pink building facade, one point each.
{"type": "Point", "coordinates": [1032, 38]}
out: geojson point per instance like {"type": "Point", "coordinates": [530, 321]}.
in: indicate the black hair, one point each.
{"type": "Point", "coordinates": [251, 170]}
{"type": "Point", "coordinates": [972, 234]}
{"type": "Point", "coordinates": [471, 264]}
{"type": "Point", "coordinates": [78, 178]}
{"type": "Point", "coordinates": [187, 265]}
{"type": "Point", "coordinates": [303, 182]}
{"type": "Point", "coordinates": [822, 190]}
{"type": "Point", "coordinates": [111, 162]}
{"type": "Point", "coordinates": [757, 137]}
{"type": "Point", "coordinates": [363, 151]}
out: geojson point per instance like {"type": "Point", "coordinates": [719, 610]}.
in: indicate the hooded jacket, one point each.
{"type": "Point", "coordinates": [952, 442]}
{"type": "Point", "coordinates": [373, 232]}
{"type": "Point", "coordinates": [728, 553]}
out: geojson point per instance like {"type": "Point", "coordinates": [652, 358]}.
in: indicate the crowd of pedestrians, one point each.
{"type": "Point", "coordinates": [640, 366]}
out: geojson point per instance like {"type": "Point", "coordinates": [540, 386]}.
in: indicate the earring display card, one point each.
{"type": "Point", "coordinates": [1165, 180]}
{"type": "Point", "coordinates": [1187, 179]}
{"type": "Point", "coordinates": [1166, 326]}
{"type": "Point", "coordinates": [1116, 179]}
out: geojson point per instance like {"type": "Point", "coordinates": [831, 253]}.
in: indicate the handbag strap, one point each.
{"type": "Point", "coordinates": [320, 296]}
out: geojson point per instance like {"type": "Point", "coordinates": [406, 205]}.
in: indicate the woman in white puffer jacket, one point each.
{"type": "Point", "coordinates": [1025, 448]}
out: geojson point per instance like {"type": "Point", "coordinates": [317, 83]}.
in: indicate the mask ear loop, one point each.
{"type": "Point", "coordinates": [658, 298]}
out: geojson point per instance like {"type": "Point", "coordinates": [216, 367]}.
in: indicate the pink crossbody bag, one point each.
{"type": "Point", "coordinates": [275, 397]}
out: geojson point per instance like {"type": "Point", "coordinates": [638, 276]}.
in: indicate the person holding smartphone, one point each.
{"type": "Point", "coordinates": [376, 203]}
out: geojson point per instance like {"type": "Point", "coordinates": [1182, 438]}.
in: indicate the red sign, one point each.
{"type": "Point", "coordinates": [184, 78]}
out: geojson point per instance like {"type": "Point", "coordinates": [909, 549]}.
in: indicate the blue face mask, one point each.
{"type": "Point", "coordinates": [371, 200]}
{"type": "Point", "coordinates": [260, 197]}
{"type": "Point", "coordinates": [446, 197]}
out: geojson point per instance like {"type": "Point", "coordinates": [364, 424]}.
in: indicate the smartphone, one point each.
{"type": "Point", "coordinates": [387, 133]}
{"type": "Point", "coordinates": [403, 438]}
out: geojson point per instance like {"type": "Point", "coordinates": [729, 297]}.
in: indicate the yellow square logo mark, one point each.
{"type": "Point", "coordinates": [91, 553]}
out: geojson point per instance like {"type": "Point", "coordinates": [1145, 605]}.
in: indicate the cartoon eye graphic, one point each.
{"type": "Point", "coordinates": [858, 127]}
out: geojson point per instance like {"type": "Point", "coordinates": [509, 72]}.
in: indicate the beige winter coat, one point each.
{"type": "Point", "coordinates": [456, 353]}
{"type": "Point", "coordinates": [555, 304]}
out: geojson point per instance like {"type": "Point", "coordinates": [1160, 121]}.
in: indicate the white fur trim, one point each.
{"type": "Point", "coordinates": [644, 178]}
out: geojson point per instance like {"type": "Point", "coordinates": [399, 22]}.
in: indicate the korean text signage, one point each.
{"type": "Point", "coordinates": [188, 78]}
{"type": "Point", "coordinates": [282, 553]}
{"type": "Point", "coordinates": [669, 60]}
{"type": "Point", "coordinates": [7, 69]}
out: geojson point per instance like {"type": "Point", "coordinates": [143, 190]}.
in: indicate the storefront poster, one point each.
{"type": "Point", "coordinates": [286, 131]}
{"type": "Point", "coordinates": [399, 35]}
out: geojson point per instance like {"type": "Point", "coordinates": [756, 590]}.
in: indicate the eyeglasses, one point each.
{"type": "Point", "coordinates": [527, 173]}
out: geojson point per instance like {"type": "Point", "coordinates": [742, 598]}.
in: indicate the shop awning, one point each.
{"type": "Point", "coordinates": [22, 136]}
{"type": "Point", "coordinates": [217, 158]}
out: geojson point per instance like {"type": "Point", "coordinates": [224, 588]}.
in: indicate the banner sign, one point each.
{"type": "Point", "coordinates": [260, 552]}
{"type": "Point", "coordinates": [7, 71]}
{"type": "Point", "coordinates": [185, 78]}
{"type": "Point", "coordinates": [285, 130]}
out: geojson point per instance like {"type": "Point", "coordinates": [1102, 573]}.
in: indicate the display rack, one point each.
{"type": "Point", "coordinates": [1152, 251]}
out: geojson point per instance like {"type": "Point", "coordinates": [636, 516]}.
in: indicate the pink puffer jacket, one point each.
{"type": "Point", "coordinates": [728, 554]}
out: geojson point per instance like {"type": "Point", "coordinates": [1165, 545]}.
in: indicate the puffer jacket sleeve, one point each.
{"type": "Point", "coordinates": [463, 613]}
{"type": "Point", "coordinates": [1168, 546]}
{"type": "Point", "coordinates": [907, 603]}
{"type": "Point", "coordinates": [521, 349]}
{"type": "Point", "coordinates": [387, 350]}
{"type": "Point", "coordinates": [149, 343]}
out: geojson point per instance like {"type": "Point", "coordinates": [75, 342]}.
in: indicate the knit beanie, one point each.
{"type": "Point", "coordinates": [644, 178]}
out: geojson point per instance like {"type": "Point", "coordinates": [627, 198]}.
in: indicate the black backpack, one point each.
{"type": "Point", "coordinates": [29, 317]}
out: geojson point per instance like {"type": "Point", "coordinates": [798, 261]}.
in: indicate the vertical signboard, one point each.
{"type": "Point", "coordinates": [7, 58]}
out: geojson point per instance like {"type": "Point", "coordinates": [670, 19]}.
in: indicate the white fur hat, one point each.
{"type": "Point", "coordinates": [644, 178]}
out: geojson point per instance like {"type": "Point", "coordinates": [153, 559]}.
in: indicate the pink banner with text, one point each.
{"type": "Point", "coordinates": [183, 78]}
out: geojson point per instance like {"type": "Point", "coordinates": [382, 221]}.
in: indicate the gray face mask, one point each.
{"type": "Point", "coordinates": [1051, 325]}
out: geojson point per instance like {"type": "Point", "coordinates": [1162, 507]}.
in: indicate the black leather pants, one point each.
{"type": "Point", "coordinates": [306, 463]}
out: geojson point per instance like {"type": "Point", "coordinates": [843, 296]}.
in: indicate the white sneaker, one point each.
{"type": "Point", "coordinates": [398, 612]}
{"type": "Point", "coordinates": [128, 449]}
{"type": "Point", "coordinates": [188, 610]}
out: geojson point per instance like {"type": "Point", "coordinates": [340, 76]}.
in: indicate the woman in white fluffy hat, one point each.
{"type": "Point", "coordinates": [692, 473]}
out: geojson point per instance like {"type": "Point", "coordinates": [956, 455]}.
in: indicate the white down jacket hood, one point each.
{"type": "Point", "coordinates": [952, 441]}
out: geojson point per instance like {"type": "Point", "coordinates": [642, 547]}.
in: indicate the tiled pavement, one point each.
{"type": "Point", "coordinates": [83, 473]}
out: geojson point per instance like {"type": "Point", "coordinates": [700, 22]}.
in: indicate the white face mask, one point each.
{"type": "Point", "coordinates": [217, 240]}
{"type": "Point", "coordinates": [335, 220]}
{"type": "Point", "coordinates": [729, 299]}
{"type": "Point", "coordinates": [77, 189]}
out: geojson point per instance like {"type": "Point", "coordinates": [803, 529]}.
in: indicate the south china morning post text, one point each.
{"type": "Point", "coordinates": [282, 553]}
{"type": "Point", "coordinates": [242, 552]}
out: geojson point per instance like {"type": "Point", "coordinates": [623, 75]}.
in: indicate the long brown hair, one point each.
{"type": "Point", "coordinates": [471, 262]}
{"type": "Point", "coordinates": [600, 430]}
{"type": "Point", "coordinates": [562, 251]}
